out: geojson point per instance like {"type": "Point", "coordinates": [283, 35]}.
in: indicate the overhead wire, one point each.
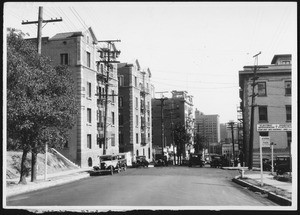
{"type": "Point", "coordinates": [78, 18]}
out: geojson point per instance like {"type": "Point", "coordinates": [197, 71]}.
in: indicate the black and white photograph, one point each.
{"type": "Point", "coordinates": [150, 106]}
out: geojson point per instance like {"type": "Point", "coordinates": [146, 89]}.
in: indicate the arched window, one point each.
{"type": "Point", "coordinates": [137, 152]}
{"type": "Point", "coordinates": [90, 162]}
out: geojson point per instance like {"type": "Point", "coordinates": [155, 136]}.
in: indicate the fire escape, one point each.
{"type": "Point", "coordinates": [144, 111]}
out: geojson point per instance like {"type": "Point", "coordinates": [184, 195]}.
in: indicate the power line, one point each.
{"type": "Point", "coordinates": [78, 17]}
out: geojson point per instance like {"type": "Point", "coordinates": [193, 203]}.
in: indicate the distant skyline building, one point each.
{"type": "Point", "coordinates": [177, 109]}
{"type": "Point", "coordinates": [208, 126]}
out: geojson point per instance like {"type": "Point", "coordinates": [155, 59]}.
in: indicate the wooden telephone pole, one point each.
{"type": "Point", "coordinates": [254, 83]}
{"type": "Point", "coordinates": [162, 99]}
{"type": "Point", "coordinates": [39, 50]}
{"type": "Point", "coordinates": [107, 61]}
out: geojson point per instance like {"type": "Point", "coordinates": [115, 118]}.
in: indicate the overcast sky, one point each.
{"type": "Point", "coordinates": [197, 47]}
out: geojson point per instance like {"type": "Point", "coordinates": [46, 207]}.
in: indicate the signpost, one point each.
{"type": "Point", "coordinates": [264, 142]}
{"type": "Point", "coordinates": [272, 152]}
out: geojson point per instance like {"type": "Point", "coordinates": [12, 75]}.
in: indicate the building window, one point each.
{"type": "Point", "coordinates": [137, 120]}
{"type": "Point", "coordinates": [90, 162]}
{"type": "Point", "coordinates": [64, 59]}
{"type": "Point", "coordinates": [101, 68]}
{"type": "Point", "coordinates": [113, 96]}
{"type": "Point", "coordinates": [89, 89]}
{"type": "Point", "coordinates": [137, 152]}
{"type": "Point", "coordinates": [289, 138]}
{"type": "Point", "coordinates": [113, 118]}
{"type": "Point", "coordinates": [137, 138]}
{"type": "Point", "coordinates": [136, 103]}
{"type": "Point", "coordinates": [263, 113]}
{"type": "Point", "coordinates": [288, 109]}
{"type": "Point", "coordinates": [120, 119]}
{"type": "Point", "coordinates": [149, 153]}
{"type": "Point", "coordinates": [121, 138]}
{"type": "Point", "coordinates": [135, 81]}
{"type": "Point", "coordinates": [88, 59]}
{"type": "Point", "coordinates": [288, 88]}
{"type": "Point", "coordinates": [262, 90]}
{"type": "Point", "coordinates": [113, 140]}
{"type": "Point", "coordinates": [121, 80]}
{"type": "Point", "coordinates": [89, 115]}
{"type": "Point", "coordinates": [89, 141]}
{"type": "Point", "coordinates": [120, 101]}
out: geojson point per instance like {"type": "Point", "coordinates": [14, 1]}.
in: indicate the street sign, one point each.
{"type": "Point", "coordinates": [274, 127]}
{"type": "Point", "coordinates": [264, 141]}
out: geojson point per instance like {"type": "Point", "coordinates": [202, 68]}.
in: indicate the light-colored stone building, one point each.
{"type": "Point", "coordinates": [135, 114]}
{"type": "Point", "coordinates": [272, 106]}
{"type": "Point", "coordinates": [80, 52]}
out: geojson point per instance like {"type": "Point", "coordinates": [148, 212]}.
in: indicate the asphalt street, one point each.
{"type": "Point", "coordinates": [157, 186]}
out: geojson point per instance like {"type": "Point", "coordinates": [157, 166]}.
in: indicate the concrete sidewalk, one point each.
{"type": "Point", "coordinates": [277, 191]}
{"type": "Point", "coordinates": [53, 179]}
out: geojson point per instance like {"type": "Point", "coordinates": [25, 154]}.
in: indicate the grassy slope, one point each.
{"type": "Point", "coordinates": [54, 164]}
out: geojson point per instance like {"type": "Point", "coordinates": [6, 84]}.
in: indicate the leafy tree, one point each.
{"type": "Point", "coordinates": [199, 142]}
{"type": "Point", "coordinates": [181, 137]}
{"type": "Point", "coordinates": [41, 102]}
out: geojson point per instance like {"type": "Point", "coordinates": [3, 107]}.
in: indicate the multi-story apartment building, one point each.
{"type": "Point", "coordinates": [135, 124]}
{"type": "Point", "coordinates": [209, 127]}
{"type": "Point", "coordinates": [177, 109]}
{"type": "Point", "coordinates": [272, 108]}
{"type": "Point", "coordinates": [80, 52]}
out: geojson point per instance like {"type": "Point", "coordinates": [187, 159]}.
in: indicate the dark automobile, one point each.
{"type": "Point", "coordinates": [196, 160]}
{"type": "Point", "coordinates": [267, 166]}
{"type": "Point", "coordinates": [141, 162]}
{"type": "Point", "coordinates": [160, 160]}
{"type": "Point", "coordinates": [122, 161]}
{"type": "Point", "coordinates": [282, 165]}
{"type": "Point", "coordinates": [216, 161]}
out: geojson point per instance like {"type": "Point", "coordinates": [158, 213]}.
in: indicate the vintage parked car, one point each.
{"type": "Point", "coordinates": [160, 160]}
{"type": "Point", "coordinates": [216, 161]}
{"type": "Point", "coordinates": [140, 162]}
{"type": "Point", "coordinates": [196, 160]}
{"type": "Point", "coordinates": [108, 163]}
{"type": "Point", "coordinates": [267, 166]}
{"type": "Point", "coordinates": [122, 161]}
{"type": "Point", "coordinates": [282, 165]}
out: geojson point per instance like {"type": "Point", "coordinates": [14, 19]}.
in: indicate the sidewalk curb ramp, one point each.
{"type": "Point", "coordinates": [272, 196]}
{"type": "Point", "coordinates": [34, 187]}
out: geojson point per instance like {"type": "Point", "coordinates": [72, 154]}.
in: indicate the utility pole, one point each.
{"type": "Point", "coordinates": [254, 78]}
{"type": "Point", "coordinates": [232, 137]}
{"type": "Point", "coordinates": [39, 50]}
{"type": "Point", "coordinates": [39, 22]}
{"type": "Point", "coordinates": [162, 99]}
{"type": "Point", "coordinates": [107, 61]}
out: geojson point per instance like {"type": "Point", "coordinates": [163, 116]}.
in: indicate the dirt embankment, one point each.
{"type": "Point", "coordinates": [55, 163]}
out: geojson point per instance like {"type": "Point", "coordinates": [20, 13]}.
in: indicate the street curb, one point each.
{"type": "Point", "coordinates": [46, 185]}
{"type": "Point", "coordinates": [282, 201]}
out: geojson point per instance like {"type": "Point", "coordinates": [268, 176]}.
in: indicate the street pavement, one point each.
{"type": "Point", "coordinates": [69, 176]}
